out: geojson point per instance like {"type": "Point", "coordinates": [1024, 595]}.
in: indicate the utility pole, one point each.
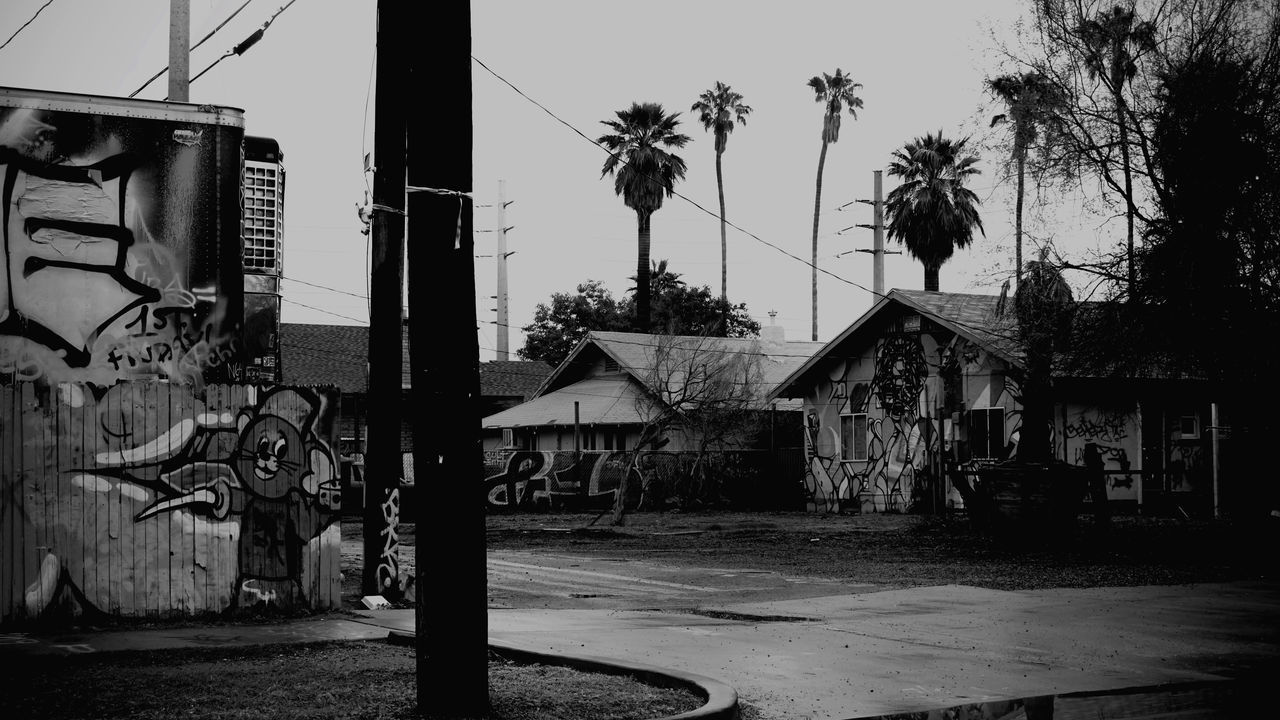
{"type": "Point", "coordinates": [179, 49]}
{"type": "Point", "coordinates": [878, 252]}
{"type": "Point", "coordinates": [386, 311]}
{"type": "Point", "coordinates": [452, 619]}
{"type": "Point", "coordinates": [503, 335]}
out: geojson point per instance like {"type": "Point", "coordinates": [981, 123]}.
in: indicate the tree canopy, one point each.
{"type": "Point", "coordinates": [677, 310]}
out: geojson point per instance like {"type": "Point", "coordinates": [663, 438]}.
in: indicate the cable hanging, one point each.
{"type": "Point", "coordinates": [193, 47]}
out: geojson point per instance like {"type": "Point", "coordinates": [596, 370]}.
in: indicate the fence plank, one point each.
{"type": "Point", "coordinates": [10, 496]}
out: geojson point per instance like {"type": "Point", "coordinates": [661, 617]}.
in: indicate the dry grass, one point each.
{"type": "Point", "coordinates": [908, 550]}
{"type": "Point", "coordinates": [370, 679]}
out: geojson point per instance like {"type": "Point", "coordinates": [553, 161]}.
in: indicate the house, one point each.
{"type": "Point", "coordinates": [603, 392]}
{"type": "Point", "coordinates": [338, 355]}
{"type": "Point", "coordinates": [927, 383]}
{"type": "Point", "coordinates": [576, 439]}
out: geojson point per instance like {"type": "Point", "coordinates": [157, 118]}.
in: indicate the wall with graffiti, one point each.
{"type": "Point", "coordinates": [876, 427]}
{"type": "Point", "coordinates": [151, 498]}
{"type": "Point", "coordinates": [563, 479]}
{"type": "Point", "coordinates": [1115, 430]}
{"type": "Point", "coordinates": [120, 246]}
{"type": "Point", "coordinates": [553, 478]}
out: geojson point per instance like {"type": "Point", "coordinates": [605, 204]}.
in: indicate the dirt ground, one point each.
{"type": "Point", "coordinates": [888, 550]}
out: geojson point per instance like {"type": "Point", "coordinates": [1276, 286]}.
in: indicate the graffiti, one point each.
{"type": "Point", "coordinates": [388, 571]}
{"type": "Point", "coordinates": [897, 442]}
{"type": "Point", "coordinates": [900, 373]}
{"type": "Point", "coordinates": [154, 497]}
{"type": "Point", "coordinates": [1116, 464]}
{"type": "Point", "coordinates": [105, 224]}
{"type": "Point", "coordinates": [282, 483]}
{"type": "Point", "coordinates": [528, 478]}
{"type": "Point", "coordinates": [1111, 426]}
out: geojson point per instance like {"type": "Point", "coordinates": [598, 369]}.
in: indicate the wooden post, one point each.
{"type": "Point", "coordinates": [179, 49]}
{"type": "Point", "coordinates": [451, 622]}
{"type": "Point", "coordinates": [386, 311]}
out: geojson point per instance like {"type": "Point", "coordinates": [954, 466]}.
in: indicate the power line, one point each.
{"type": "Point", "coordinates": [25, 24]}
{"type": "Point", "coordinates": [193, 47]}
{"type": "Point", "coordinates": [247, 43]}
{"type": "Point", "coordinates": [877, 296]}
{"type": "Point", "coordinates": [326, 287]}
{"type": "Point", "coordinates": [327, 312]}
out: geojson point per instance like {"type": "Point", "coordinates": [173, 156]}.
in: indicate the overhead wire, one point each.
{"type": "Point", "coordinates": [247, 43]}
{"type": "Point", "coordinates": [25, 24]}
{"type": "Point", "coordinates": [873, 293]}
{"type": "Point", "coordinates": [193, 47]}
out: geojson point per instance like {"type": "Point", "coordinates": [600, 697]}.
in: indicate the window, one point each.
{"type": "Point", "coordinates": [1189, 426]}
{"type": "Point", "coordinates": [853, 437]}
{"type": "Point", "coordinates": [508, 438]}
{"type": "Point", "coordinates": [986, 433]}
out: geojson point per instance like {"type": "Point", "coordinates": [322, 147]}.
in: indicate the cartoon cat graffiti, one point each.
{"type": "Point", "coordinates": [280, 481]}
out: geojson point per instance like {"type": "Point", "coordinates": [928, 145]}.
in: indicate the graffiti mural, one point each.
{"type": "Point", "coordinates": [1114, 431]}
{"type": "Point", "coordinates": [897, 434]}
{"type": "Point", "coordinates": [159, 499]}
{"type": "Point", "coordinates": [119, 247]}
{"type": "Point", "coordinates": [554, 478]}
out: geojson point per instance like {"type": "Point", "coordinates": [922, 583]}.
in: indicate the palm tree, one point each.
{"type": "Point", "coordinates": [719, 109]}
{"type": "Point", "coordinates": [661, 279]}
{"type": "Point", "coordinates": [932, 212]}
{"type": "Point", "coordinates": [644, 169]}
{"type": "Point", "coordinates": [1114, 40]}
{"type": "Point", "coordinates": [1032, 102]}
{"type": "Point", "coordinates": [835, 92]}
{"type": "Point", "coordinates": [1043, 306]}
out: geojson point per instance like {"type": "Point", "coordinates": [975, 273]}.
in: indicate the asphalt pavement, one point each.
{"type": "Point", "coordinates": [1155, 651]}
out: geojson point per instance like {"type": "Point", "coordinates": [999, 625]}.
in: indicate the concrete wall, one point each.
{"type": "Point", "coordinates": [162, 499]}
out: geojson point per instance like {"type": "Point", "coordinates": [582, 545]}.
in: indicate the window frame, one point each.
{"type": "Point", "coordinates": [1004, 440]}
{"type": "Point", "coordinates": [1194, 417]}
{"type": "Point", "coordinates": [864, 446]}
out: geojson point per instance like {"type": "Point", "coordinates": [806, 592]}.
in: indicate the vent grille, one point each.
{"type": "Point", "coordinates": [263, 215]}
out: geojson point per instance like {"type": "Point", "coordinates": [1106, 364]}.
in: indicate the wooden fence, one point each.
{"type": "Point", "coordinates": [151, 498]}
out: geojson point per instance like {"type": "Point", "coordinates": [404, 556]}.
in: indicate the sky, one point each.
{"type": "Point", "coordinates": [309, 84]}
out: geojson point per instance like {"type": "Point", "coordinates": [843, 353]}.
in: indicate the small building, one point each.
{"type": "Point", "coordinates": [338, 355]}
{"type": "Point", "coordinates": [928, 383]}
{"type": "Point", "coordinates": [603, 391]}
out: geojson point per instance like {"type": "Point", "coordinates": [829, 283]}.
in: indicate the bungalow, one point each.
{"type": "Point", "coordinates": [573, 442]}
{"type": "Point", "coordinates": [612, 383]}
{"type": "Point", "coordinates": [338, 355]}
{"type": "Point", "coordinates": [927, 383]}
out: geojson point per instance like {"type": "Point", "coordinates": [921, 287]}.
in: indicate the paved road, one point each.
{"type": "Point", "coordinates": [520, 580]}
{"type": "Point", "coordinates": [811, 648]}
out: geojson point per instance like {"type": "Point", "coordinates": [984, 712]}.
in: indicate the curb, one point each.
{"type": "Point", "coordinates": [721, 699]}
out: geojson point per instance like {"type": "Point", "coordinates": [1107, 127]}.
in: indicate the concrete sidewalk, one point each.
{"type": "Point", "coordinates": [869, 654]}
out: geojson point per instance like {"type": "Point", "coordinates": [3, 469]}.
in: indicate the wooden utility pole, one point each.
{"type": "Point", "coordinates": [382, 461]}
{"type": "Point", "coordinates": [877, 227]}
{"type": "Point", "coordinates": [179, 49]}
{"type": "Point", "coordinates": [452, 615]}
{"type": "Point", "coordinates": [501, 306]}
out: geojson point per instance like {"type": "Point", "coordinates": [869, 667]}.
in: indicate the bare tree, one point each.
{"type": "Point", "coordinates": [696, 389]}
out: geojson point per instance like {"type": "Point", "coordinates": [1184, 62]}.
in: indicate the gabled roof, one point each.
{"type": "Point", "coordinates": [634, 354]}
{"type": "Point", "coordinates": [513, 378]}
{"type": "Point", "coordinates": [973, 317]}
{"type": "Point", "coordinates": [339, 355]}
{"type": "Point", "coordinates": [325, 355]}
{"type": "Point", "coordinates": [612, 398]}
{"type": "Point", "coordinates": [609, 399]}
